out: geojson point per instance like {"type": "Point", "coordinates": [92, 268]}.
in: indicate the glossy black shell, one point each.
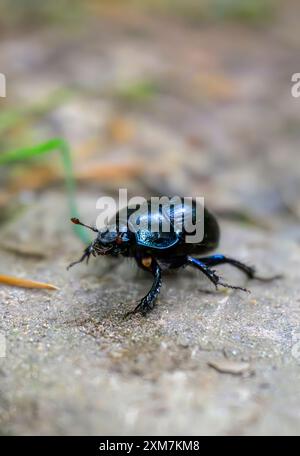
{"type": "Point", "coordinates": [173, 242]}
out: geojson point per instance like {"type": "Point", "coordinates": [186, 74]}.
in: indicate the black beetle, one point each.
{"type": "Point", "coordinates": [158, 251]}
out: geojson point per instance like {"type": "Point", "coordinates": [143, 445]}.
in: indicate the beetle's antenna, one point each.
{"type": "Point", "coordinates": [76, 221]}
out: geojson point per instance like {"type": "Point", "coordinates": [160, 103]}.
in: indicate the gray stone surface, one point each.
{"type": "Point", "coordinates": [74, 366]}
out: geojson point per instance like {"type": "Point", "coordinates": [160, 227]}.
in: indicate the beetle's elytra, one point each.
{"type": "Point", "coordinates": [158, 251]}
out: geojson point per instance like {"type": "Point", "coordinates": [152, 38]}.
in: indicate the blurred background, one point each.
{"type": "Point", "coordinates": [162, 97]}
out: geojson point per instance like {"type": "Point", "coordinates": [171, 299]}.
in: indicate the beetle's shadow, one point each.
{"type": "Point", "coordinates": [106, 292]}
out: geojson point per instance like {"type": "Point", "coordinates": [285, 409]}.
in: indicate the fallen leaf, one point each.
{"type": "Point", "coordinates": [25, 283]}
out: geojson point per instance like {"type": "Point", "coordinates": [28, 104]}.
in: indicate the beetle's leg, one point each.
{"type": "Point", "coordinates": [214, 260]}
{"type": "Point", "coordinates": [147, 303]}
{"type": "Point", "coordinates": [86, 255]}
{"type": "Point", "coordinates": [210, 274]}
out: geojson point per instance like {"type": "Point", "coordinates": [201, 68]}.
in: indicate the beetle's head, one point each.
{"type": "Point", "coordinates": [106, 243]}
{"type": "Point", "coordinates": [110, 242]}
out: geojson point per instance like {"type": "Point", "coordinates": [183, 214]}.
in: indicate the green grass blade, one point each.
{"type": "Point", "coordinates": [49, 146]}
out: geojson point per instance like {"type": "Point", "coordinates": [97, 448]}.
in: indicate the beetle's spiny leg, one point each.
{"type": "Point", "coordinates": [250, 271]}
{"type": "Point", "coordinates": [134, 311]}
{"type": "Point", "coordinates": [211, 274]}
{"type": "Point", "coordinates": [219, 281]}
{"type": "Point", "coordinates": [226, 285]}
{"type": "Point", "coordinates": [217, 259]}
{"type": "Point", "coordinates": [86, 255]}
{"type": "Point", "coordinates": [147, 302]}
{"type": "Point", "coordinates": [78, 261]}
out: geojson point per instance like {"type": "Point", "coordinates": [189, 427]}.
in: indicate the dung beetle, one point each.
{"type": "Point", "coordinates": [159, 251]}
